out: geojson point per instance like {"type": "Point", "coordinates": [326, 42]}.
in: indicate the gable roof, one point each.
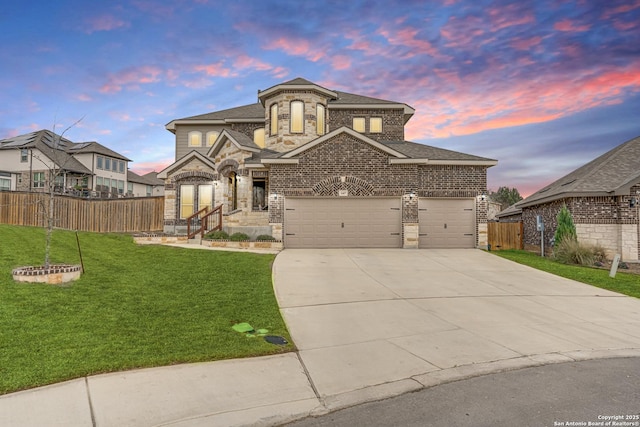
{"type": "Point", "coordinates": [239, 139]}
{"type": "Point", "coordinates": [146, 179]}
{"type": "Point", "coordinates": [55, 147]}
{"type": "Point", "coordinates": [402, 152]}
{"type": "Point", "coordinates": [95, 147]}
{"type": "Point", "coordinates": [255, 113]}
{"type": "Point", "coordinates": [611, 174]}
{"type": "Point", "coordinates": [182, 161]}
{"type": "Point", "coordinates": [252, 113]}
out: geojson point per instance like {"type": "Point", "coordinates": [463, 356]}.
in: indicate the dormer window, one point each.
{"type": "Point", "coordinates": [195, 139]}
{"type": "Point", "coordinates": [211, 137]}
{"type": "Point", "coordinates": [274, 119]}
{"type": "Point", "coordinates": [258, 137]}
{"type": "Point", "coordinates": [297, 117]}
{"type": "Point", "coordinates": [358, 124]}
{"type": "Point", "coordinates": [320, 119]}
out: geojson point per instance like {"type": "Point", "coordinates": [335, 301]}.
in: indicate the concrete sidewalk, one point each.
{"type": "Point", "coordinates": [368, 324]}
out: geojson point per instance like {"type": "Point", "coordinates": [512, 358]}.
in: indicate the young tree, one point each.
{"type": "Point", "coordinates": [55, 166]}
{"type": "Point", "coordinates": [566, 228]}
{"type": "Point", "coordinates": [505, 196]}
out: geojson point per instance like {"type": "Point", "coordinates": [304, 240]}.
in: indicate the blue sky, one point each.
{"type": "Point", "coordinates": [541, 86]}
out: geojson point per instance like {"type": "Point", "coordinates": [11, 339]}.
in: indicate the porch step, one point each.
{"type": "Point", "coordinates": [195, 241]}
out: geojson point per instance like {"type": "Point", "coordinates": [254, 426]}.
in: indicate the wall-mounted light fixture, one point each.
{"type": "Point", "coordinates": [483, 196]}
{"type": "Point", "coordinates": [412, 195]}
{"type": "Point", "coordinates": [632, 202]}
{"type": "Point", "coordinates": [274, 196]}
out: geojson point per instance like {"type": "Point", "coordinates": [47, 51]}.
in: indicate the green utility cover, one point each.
{"type": "Point", "coordinates": [242, 327]}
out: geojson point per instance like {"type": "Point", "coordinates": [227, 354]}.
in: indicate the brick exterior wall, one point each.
{"type": "Point", "coordinates": [392, 122]}
{"type": "Point", "coordinates": [607, 220]}
{"type": "Point", "coordinates": [346, 163]}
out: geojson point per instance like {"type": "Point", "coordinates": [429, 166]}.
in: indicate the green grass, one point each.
{"type": "Point", "coordinates": [135, 306]}
{"type": "Point", "coordinates": [624, 283]}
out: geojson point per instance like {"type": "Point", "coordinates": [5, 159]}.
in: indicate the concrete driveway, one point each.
{"type": "Point", "coordinates": [372, 323]}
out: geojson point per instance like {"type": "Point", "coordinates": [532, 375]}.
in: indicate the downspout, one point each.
{"type": "Point", "coordinates": [30, 170]}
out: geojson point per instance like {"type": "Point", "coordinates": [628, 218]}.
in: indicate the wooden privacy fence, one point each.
{"type": "Point", "coordinates": [505, 235]}
{"type": "Point", "coordinates": [71, 213]}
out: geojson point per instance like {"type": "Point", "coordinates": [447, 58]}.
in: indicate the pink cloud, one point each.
{"type": "Point", "coordinates": [142, 168]}
{"type": "Point", "coordinates": [458, 110]}
{"type": "Point", "coordinates": [104, 23]}
{"type": "Point", "coordinates": [296, 47]}
{"type": "Point", "coordinates": [83, 97]}
{"type": "Point", "coordinates": [407, 36]}
{"type": "Point", "coordinates": [570, 26]}
{"type": "Point", "coordinates": [526, 44]}
{"type": "Point", "coordinates": [509, 16]}
{"type": "Point", "coordinates": [624, 8]}
{"type": "Point", "coordinates": [131, 77]}
{"type": "Point", "coordinates": [624, 26]}
{"type": "Point", "coordinates": [214, 70]}
{"type": "Point", "coordinates": [341, 62]}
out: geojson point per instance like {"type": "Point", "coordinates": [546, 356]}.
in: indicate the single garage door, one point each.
{"type": "Point", "coordinates": [342, 222]}
{"type": "Point", "coordinates": [447, 223]}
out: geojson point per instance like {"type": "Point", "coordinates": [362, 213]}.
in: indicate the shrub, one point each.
{"type": "Point", "coordinates": [599, 253]}
{"type": "Point", "coordinates": [217, 235]}
{"type": "Point", "coordinates": [238, 237]}
{"type": "Point", "coordinates": [265, 237]}
{"type": "Point", "coordinates": [569, 251]}
{"type": "Point", "coordinates": [566, 228]}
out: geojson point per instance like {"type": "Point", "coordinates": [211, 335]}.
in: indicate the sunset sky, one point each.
{"type": "Point", "coordinates": [541, 86]}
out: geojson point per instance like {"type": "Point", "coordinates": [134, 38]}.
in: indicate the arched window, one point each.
{"type": "Point", "coordinates": [195, 139]}
{"type": "Point", "coordinates": [320, 119]}
{"type": "Point", "coordinates": [211, 137]}
{"type": "Point", "coordinates": [258, 137]}
{"type": "Point", "coordinates": [297, 117]}
{"type": "Point", "coordinates": [273, 115]}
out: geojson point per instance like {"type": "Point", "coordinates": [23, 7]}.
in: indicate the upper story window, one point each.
{"type": "Point", "coordinates": [211, 137]}
{"type": "Point", "coordinates": [100, 162]}
{"type": "Point", "coordinates": [358, 124]}
{"type": "Point", "coordinates": [320, 119]}
{"type": "Point", "coordinates": [107, 163]}
{"type": "Point", "coordinates": [121, 166]}
{"type": "Point", "coordinates": [114, 165]}
{"type": "Point", "coordinates": [194, 139]}
{"type": "Point", "coordinates": [258, 137]}
{"type": "Point", "coordinates": [24, 155]}
{"type": "Point", "coordinates": [375, 125]}
{"type": "Point", "coordinates": [297, 117]}
{"type": "Point", "coordinates": [273, 116]}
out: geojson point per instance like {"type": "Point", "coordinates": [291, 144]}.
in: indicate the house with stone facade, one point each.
{"type": "Point", "coordinates": [26, 163]}
{"type": "Point", "coordinates": [320, 168]}
{"type": "Point", "coordinates": [603, 197]}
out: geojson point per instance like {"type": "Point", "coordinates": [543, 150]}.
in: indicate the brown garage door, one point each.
{"type": "Point", "coordinates": [447, 223]}
{"type": "Point", "coordinates": [342, 222]}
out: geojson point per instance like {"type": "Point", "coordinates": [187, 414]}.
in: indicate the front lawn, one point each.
{"type": "Point", "coordinates": [135, 306]}
{"type": "Point", "coordinates": [624, 283]}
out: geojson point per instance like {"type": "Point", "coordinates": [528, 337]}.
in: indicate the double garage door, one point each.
{"type": "Point", "coordinates": [343, 222]}
{"type": "Point", "coordinates": [376, 223]}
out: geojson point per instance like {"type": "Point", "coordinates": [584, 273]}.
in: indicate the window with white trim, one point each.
{"type": "Point", "coordinates": [186, 200]}
{"type": "Point", "coordinates": [38, 180]}
{"type": "Point", "coordinates": [194, 139]}
{"type": "Point", "coordinates": [297, 117]}
{"type": "Point", "coordinates": [205, 196]}
{"type": "Point", "coordinates": [24, 155]}
{"type": "Point", "coordinates": [100, 162]}
{"type": "Point", "coordinates": [5, 184]}
{"type": "Point", "coordinates": [107, 163]}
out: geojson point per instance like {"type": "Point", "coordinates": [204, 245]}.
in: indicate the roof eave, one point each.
{"type": "Point", "coordinates": [279, 161]}
{"type": "Point", "coordinates": [487, 162]}
{"type": "Point", "coordinates": [267, 92]}
{"type": "Point", "coordinates": [564, 195]}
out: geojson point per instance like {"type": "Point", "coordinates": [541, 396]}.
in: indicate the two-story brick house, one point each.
{"type": "Point", "coordinates": [323, 168]}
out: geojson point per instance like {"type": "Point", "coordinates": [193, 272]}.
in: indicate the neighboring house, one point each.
{"type": "Point", "coordinates": [324, 168]}
{"type": "Point", "coordinates": [146, 185]}
{"type": "Point", "coordinates": [87, 168]}
{"type": "Point", "coordinates": [603, 197]}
